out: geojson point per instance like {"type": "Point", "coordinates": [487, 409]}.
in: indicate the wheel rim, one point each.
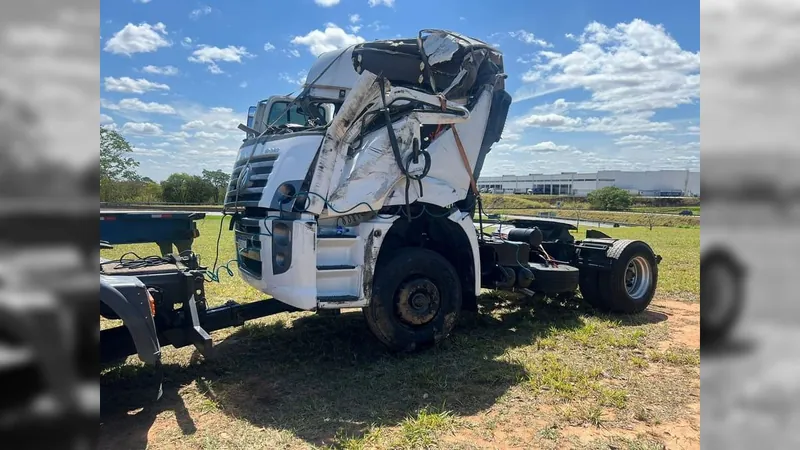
{"type": "Point", "coordinates": [638, 278]}
{"type": "Point", "coordinates": [418, 301]}
{"type": "Point", "coordinates": [717, 288]}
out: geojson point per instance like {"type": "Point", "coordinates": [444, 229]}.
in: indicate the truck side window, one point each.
{"type": "Point", "coordinates": [278, 114]}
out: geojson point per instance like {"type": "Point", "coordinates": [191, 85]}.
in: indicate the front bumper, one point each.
{"type": "Point", "coordinates": [278, 257]}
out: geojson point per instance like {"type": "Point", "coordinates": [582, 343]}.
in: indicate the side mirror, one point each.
{"type": "Point", "coordinates": [251, 115]}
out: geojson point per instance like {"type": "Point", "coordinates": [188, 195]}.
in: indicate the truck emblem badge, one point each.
{"type": "Point", "coordinates": [244, 177]}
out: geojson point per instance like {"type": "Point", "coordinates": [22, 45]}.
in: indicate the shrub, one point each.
{"type": "Point", "coordinates": [610, 198]}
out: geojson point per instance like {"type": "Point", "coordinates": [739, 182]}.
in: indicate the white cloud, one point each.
{"type": "Point", "coordinates": [333, 38]}
{"type": "Point", "coordinates": [327, 3]}
{"type": "Point", "coordinates": [559, 106]}
{"type": "Point", "coordinates": [186, 42]}
{"type": "Point", "coordinates": [134, 104]}
{"type": "Point", "coordinates": [130, 86]}
{"type": "Point", "coordinates": [542, 147]}
{"type": "Point", "coordinates": [387, 3]}
{"type": "Point", "coordinates": [243, 84]}
{"type": "Point", "coordinates": [105, 119]}
{"type": "Point", "coordinates": [354, 20]}
{"type": "Point", "coordinates": [631, 67]}
{"type": "Point", "coordinates": [548, 120]}
{"type": "Point", "coordinates": [547, 147]}
{"type": "Point", "coordinates": [529, 38]}
{"type": "Point", "coordinates": [630, 71]}
{"type": "Point", "coordinates": [142, 38]}
{"type": "Point", "coordinates": [209, 55]}
{"type": "Point", "coordinates": [207, 135]}
{"type": "Point", "coordinates": [635, 139]}
{"type": "Point", "coordinates": [194, 124]}
{"type": "Point", "coordinates": [165, 70]}
{"type": "Point", "coordinates": [199, 12]}
{"type": "Point", "coordinates": [613, 124]}
{"type": "Point", "coordinates": [693, 130]}
{"type": "Point", "coordinates": [377, 26]}
{"type": "Point", "coordinates": [142, 1]}
{"type": "Point", "coordinates": [299, 79]}
{"type": "Point", "coordinates": [142, 128]}
{"type": "Point", "coordinates": [292, 53]}
{"type": "Point", "coordinates": [268, 47]}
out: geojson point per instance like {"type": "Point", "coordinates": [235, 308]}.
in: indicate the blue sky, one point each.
{"type": "Point", "coordinates": [596, 85]}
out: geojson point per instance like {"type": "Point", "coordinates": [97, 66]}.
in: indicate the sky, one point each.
{"type": "Point", "coordinates": [611, 85]}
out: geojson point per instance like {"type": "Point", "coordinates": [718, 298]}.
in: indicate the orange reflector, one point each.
{"type": "Point", "coordinates": [152, 304]}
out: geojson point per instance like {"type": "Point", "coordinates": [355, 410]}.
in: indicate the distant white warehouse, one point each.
{"type": "Point", "coordinates": [658, 183]}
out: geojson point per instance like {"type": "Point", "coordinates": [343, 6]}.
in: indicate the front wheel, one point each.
{"type": "Point", "coordinates": [416, 299]}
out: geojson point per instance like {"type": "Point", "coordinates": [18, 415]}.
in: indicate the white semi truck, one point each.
{"type": "Point", "coordinates": [360, 193]}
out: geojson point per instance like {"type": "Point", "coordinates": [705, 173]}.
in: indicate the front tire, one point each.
{"type": "Point", "coordinates": [416, 300]}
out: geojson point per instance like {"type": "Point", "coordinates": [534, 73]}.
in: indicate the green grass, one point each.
{"type": "Point", "coordinates": [570, 208]}
{"type": "Point", "coordinates": [667, 209]}
{"type": "Point", "coordinates": [522, 373]}
{"type": "Point", "coordinates": [625, 218]}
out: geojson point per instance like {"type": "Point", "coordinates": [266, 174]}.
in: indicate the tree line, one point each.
{"type": "Point", "coordinates": [121, 183]}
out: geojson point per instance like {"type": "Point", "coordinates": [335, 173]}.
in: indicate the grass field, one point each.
{"type": "Point", "coordinates": [519, 374]}
{"type": "Point", "coordinates": [622, 217]}
{"type": "Point", "coordinates": [657, 216]}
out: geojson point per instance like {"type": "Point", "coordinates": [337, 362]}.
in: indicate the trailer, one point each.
{"type": "Point", "coordinates": [161, 300]}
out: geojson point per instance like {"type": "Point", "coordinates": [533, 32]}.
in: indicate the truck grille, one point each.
{"type": "Point", "coordinates": [250, 194]}
{"type": "Point", "coordinates": [248, 232]}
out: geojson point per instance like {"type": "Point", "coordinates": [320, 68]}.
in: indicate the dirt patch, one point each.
{"type": "Point", "coordinates": [683, 322]}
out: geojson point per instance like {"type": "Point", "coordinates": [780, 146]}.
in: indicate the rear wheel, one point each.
{"type": "Point", "coordinates": [721, 294]}
{"type": "Point", "coordinates": [630, 285]}
{"type": "Point", "coordinates": [416, 299]}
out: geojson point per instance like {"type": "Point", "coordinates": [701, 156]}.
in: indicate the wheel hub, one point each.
{"type": "Point", "coordinates": [418, 301]}
{"type": "Point", "coordinates": [638, 277]}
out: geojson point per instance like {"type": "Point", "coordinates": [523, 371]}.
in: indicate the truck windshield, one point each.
{"type": "Point", "coordinates": [280, 115]}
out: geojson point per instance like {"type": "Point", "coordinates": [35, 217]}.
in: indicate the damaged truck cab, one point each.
{"type": "Point", "coordinates": [374, 208]}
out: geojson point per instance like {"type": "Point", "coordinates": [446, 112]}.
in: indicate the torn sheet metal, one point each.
{"type": "Point", "coordinates": [440, 48]}
{"type": "Point", "coordinates": [335, 143]}
{"type": "Point", "coordinates": [373, 171]}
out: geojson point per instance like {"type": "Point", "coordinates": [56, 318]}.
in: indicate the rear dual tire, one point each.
{"type": "Point", "coordinates": [629, 286]}
{"type": "Point", "coordinates": [722, 291]}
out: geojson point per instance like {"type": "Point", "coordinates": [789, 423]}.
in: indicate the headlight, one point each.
{"type": "Point", "coordinates": [287, 192]}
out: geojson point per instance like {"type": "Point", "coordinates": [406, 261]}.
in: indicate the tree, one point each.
{"type": "Point", "coordinates": [185, 188]}
{"type": "Point", "coordinates": [115, 165]}
{"type": "Point", "coordinates": [219, 180]}
{"type": "Point", "coordinates": [610, 198]}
